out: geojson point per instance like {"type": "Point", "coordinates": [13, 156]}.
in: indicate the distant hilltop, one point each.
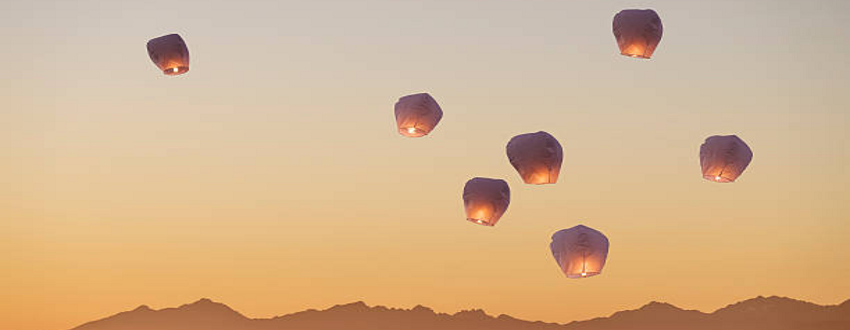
{"type": "Point", "coordinates": [772, 313]}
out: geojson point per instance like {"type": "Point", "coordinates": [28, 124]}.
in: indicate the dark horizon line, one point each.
{"type": "Point", "coordinates": [363, 305]}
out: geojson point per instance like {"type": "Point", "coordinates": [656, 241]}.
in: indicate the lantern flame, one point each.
{"type": "Point", "coordinates": [717, 178]}
{"type": "Point", "coordinates": [481, 216]}
{"type": "Point", "coordinates": [583, 274]}
{"type": "Point", "coordinates": [635, 51]}
{"type": "Point", "coordinates": [411, 130]}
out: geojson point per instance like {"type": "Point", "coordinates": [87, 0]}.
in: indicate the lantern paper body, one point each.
{"type": "Point", "coordinates": [580, 251]}
{"type": "Point", "coordinates": [486, 200]}
{"type": "Point", "coordinates": [536, 156]}
{"type": "Point", "coordinates": [170, 54]}
{"type": "Point", "coordinates": [638, 32]}
{"type": "Point", "coordinates": [416, 115]}
{"type": "Point", "coordinates": [724, 157]}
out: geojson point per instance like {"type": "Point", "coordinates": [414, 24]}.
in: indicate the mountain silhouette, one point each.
{"type": "Point", "coordinates": [771, 313]}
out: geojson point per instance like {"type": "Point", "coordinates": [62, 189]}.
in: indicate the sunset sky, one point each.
{"type": "Point", "coordinates": [271, 176]}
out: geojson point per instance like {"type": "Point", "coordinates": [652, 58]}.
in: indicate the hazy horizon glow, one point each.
{"type": "Point", "coordinates": [272, 176]}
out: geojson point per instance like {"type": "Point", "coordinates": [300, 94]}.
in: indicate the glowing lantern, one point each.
{"type": "Point", "coordinates": [170, 54]}
{"type": "Point", "coordinates": [580, 251]}
{"type": "Point", "coordinates": [724, 157]}
{"type": "Point", "coordinates": [486, 200]}
{"type": "Point", "coordinates": [536, 156]}
{"type": "Point", "coordinates": [416, 115]}
{"type": "Point", "coordinates": [638, 32]}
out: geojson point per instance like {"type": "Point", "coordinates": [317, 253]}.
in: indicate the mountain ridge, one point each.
{"type": "Point", "coordinates": [758, 313]}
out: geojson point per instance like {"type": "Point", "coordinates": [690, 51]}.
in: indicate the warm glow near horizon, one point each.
{"type": "Point", "coordinates": [272, 176]}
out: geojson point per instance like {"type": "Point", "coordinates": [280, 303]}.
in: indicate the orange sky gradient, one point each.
{"type": "Point", "coordinates": [271, 176]}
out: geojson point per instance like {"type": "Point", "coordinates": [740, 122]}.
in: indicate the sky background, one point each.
{"type": "Point", "coordinates": [271, 177]}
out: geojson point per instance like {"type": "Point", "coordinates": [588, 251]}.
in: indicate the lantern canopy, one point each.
{"type": "Point", "coordinates": [638, 32]}
{"type": "Point", "coordinates": [580, 251]}
{"type": "Point", "coordinates": [724, 158]}
{"type": "Point", "coordinates": [486, 200]}
{"type": "Point", "coordinates": [536, 156]}
{"type": "Point", "coordinates": [416, 115]}
{"type": "Point", "coordinates": [170, 54]}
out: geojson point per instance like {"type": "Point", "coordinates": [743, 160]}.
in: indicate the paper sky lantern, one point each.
{"type": "Point", "coordinates": [580, 251]}
{"type": "Point", "coordinates": [638, 32]}
{"type": "Point", "coordinates": [724, 157]}
{"type": "Point", "coordinates": [170, 54]}
{"type": "Point", "coordinates": [536, 156]}
{"type": "Point", "coordinates": [416, 115]}
{"type": "Point", "coordinates": [486, 200]}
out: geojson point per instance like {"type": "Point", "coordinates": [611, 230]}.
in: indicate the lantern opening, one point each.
{"type": "Point", "coordinates": [635, 54]}
{"type": "Point", "coordinates": [177, 70]}
{"type": "Point", "coordinates": [586, 274]}
{"type": "Point", "coordinates": [482, 222]}
{"type": "Point", "coordinates": [412, 132]}
{"type": "Point", "coordinates": [718, 178]}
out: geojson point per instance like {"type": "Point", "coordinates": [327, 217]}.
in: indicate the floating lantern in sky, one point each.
{"type": "Point", "coordinates": [724, 157]}
{"type": "Point", "coordinates": [170, 54]}
{"type": "Point", "coordinates": [638, 32]}
{"type": "Point", "coordinates": [536, 156]}
{"type": "Point", "coordinates": [416, 115]}
{"type": "Point", "coordinates": [486, 200]}
{"type": "Point", "coordinates": [580, 251]}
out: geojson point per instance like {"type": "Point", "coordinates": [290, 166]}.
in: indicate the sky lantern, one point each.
{"type": "Point", "coordinates": [580, 251]}
{"type": "Point", "coordinates": [486, 200]}
{"type": "Point", "coordinates": [170, 54]}
{"type": "Point", "coordinates": [536, 156]}
{"type": "Point", "coordinates": [638, 32]}
{"type": "Point", "coordinates": [724, 158]}
{"type": "Point", "coordinates": [416, 115]}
